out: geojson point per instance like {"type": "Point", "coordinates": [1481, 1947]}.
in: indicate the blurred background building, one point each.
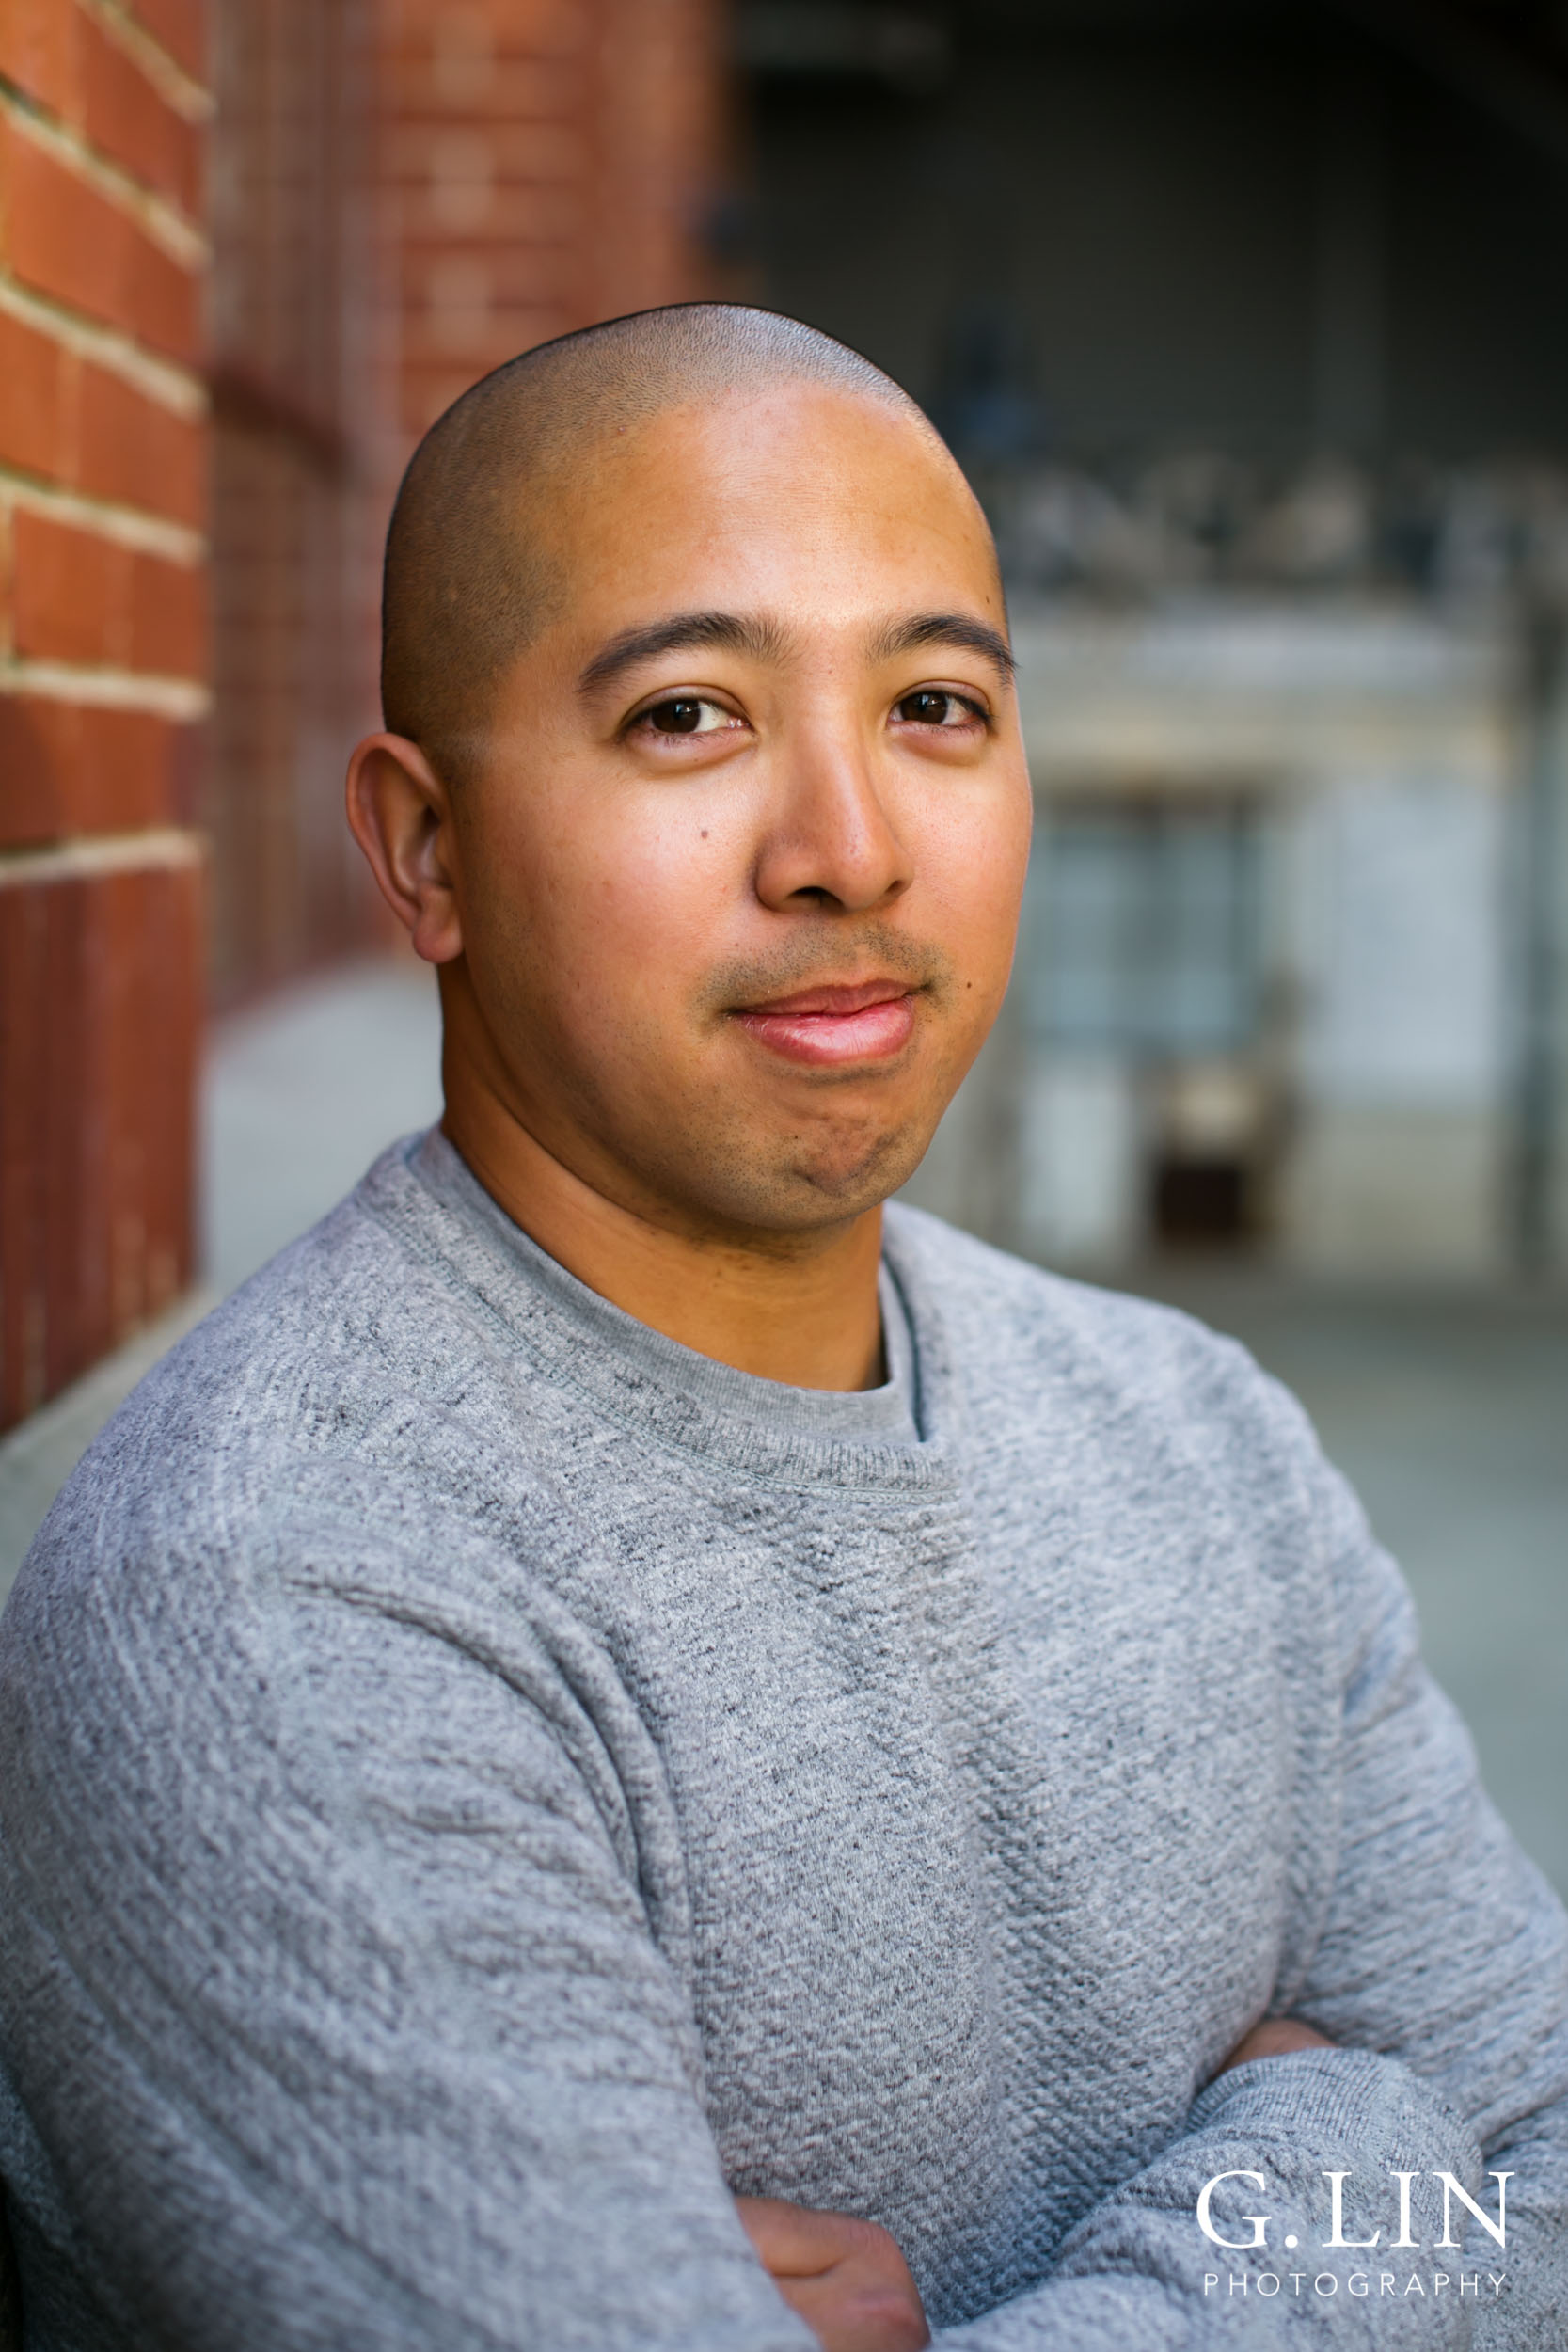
{"type": "Point", "coordinates": [1249, 323]}
{"type": "Point", "coordinates": [1249, 320]}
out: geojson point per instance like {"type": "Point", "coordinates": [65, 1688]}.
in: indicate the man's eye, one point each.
{"type": "Point", "coordinates": [687, 714]}
{"type": "Point", "coordinates": [932, 706]}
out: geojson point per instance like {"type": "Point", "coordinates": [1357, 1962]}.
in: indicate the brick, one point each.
{"type": "Point", "coordinates": [39, 50]}
{"type": "Point", "coordinates": [531, 213]}
{"type": "Point", "coordinates": [71, 592]}
{"type": "Point", "coordinates": [539, 151]}
{"type": "Point", "coordinates": [514, 90]}
{"type": "Point", "coordinates": [124, 117]}
{"type": "Point", "coordinates": [181, 27]}
{"type": "Point", "coordinates": [71, 767]}
{"type": "Point", "coordinates": [151, 1018]}
{"type": "Point", "coordinates": [168, 618]}
{"type": "Point", "coordinates": [462, 50]}
{"type": "Point", "coordinates": [526, 278]}
{"type": "Point", "coordinates": [37, 413]}
{"type": "Point", "coordinates": [437, 277]}
{"type": "Point", "coordinates": [79, 597]}
{"type": "Point", "coordinates": [131, 447]}
{"type": "Point", "coordinates": [516, 151]}
{"type": "Point", "coordinates": [68, 241]}
{"type": "Point", "coordinates": [100, 991]}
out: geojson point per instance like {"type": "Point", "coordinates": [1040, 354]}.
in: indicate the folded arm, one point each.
{"type": "Point", "coordinates": [334, 1996]}
{"type": "Point", "coordinates": [1442, 1972]}
{"type": "Point", "coordinates": [1440, 1978]}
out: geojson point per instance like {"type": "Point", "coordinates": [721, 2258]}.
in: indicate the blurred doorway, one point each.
{"type": "Point", "coordinates": [1148, 1099]}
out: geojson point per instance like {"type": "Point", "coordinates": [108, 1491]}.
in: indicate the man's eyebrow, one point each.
{"type": "Point", "coordinates": [736, 633]}
{"type": "Point", "coordinates": [946, 628]}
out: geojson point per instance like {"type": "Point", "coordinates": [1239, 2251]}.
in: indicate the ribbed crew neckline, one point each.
{"type": "Point", "coordinates": [870, 1437]}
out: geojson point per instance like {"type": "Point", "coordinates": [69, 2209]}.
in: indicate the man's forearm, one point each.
{"type": "Point", "coordinates": [847, 2279]}
{"type": "Point", "coordinates": [1288, 2123]}
{"type": "Point", "coordinates": [1138, 2274]}
{"type": "Point", "coordinates": [1134, 2270]}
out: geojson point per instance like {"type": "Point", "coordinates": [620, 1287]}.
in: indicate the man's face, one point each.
{"type": "Point", "coordinates": [739, 877]}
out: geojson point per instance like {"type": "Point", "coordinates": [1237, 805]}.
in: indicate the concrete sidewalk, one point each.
{"type": "Point", "coordinates": [1447, 1412]}
{"type": "Point", "coordinates": [302, 1094]}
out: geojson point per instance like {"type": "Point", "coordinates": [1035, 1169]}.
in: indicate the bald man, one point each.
{"type": "Point", "coordinates": [626, 1750]}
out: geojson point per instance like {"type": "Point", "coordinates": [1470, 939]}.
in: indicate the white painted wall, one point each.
{"type": "Point", "coordinates": [1405, 974]}
{"type": "Point", "coordinates": [1081, 1161]}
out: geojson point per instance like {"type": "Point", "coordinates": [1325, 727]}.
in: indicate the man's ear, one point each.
{"type": "Point", "coordinates": [400, 813]}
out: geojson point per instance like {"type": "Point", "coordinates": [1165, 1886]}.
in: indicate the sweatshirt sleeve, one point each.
{"type": "Point", "coordinates": [1441, 1969]}
{"type": "Point", "coordinates": [334, 2014]}
{"type": "Point", "coordinates": [1444, 1946]}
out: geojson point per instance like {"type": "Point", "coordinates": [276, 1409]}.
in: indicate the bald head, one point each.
{"type": "Point", "coordinates": [473, 570]}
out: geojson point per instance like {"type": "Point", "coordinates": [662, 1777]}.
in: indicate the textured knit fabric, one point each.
{"type": "Point", "coordinates": [480, 1784]}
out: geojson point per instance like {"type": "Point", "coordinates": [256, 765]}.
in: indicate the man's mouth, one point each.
{"type": "Point", "coordinates": [870, 1021]}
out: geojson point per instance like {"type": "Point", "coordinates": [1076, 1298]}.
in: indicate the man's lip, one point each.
{"type": "Point", "coordinates": [837, 1025]}
{"type": "Point", "coordinates": [834, 998]}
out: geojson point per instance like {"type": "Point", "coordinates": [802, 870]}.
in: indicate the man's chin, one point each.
{"type": "Point", "coordinates": [794, 1193]}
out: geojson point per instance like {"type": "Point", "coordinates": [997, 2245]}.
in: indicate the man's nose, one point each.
{"type": "Point", "coordinates": [831, 839]}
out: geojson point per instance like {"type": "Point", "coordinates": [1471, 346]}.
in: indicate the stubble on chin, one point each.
{"type": "Point", "coordinates": [798, 1150]}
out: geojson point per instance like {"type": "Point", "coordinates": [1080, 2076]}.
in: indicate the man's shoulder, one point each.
{"type": "Point", "coordinates": [1040, 1341]}
{"type": "Point", "coordinates": [346, 1461]}
{"type": "Point", "coordinates": [321, 1369]}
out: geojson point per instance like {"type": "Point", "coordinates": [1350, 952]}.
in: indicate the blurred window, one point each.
{"type": "Point", "coordinates": [1144, 927]}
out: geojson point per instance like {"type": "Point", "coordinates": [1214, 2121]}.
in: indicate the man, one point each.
{"type": "Point", "coordinates": [621, 1752]}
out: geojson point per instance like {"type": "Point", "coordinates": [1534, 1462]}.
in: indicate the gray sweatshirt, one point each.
{"type": "Point", "coordinates": [480, 1784]}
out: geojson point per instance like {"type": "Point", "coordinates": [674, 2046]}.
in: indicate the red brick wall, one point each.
{"type": "Point", "coordinates": [299, 384]}
{"type": "Point", "coordinates": [102, 669]}
{"type": "Point", "coordinates": [548, 162]}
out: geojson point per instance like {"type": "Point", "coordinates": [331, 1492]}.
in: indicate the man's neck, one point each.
{"type": "Point", "coordinates": [804, 1311]}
